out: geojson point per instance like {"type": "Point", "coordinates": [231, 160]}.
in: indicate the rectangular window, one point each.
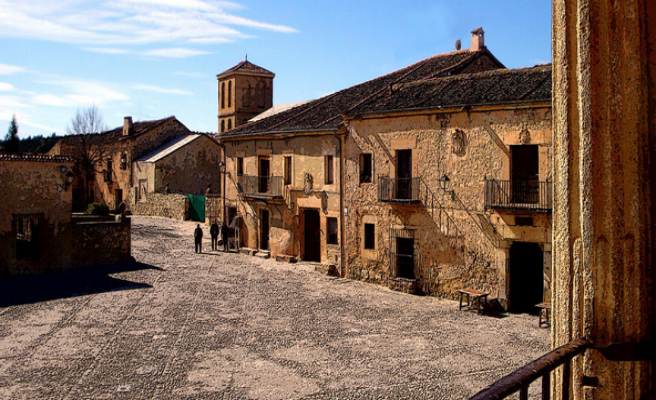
{"type": "Point", "coordinates": [370, 236]}
{"type": "Point", "coordinates": [332, 230]}
{"type": "Point", "coordinates": [288, 171]}
{"type": "Point", "coordinates": [27, 232]}
{"type": "Point", "coordinates": [366, 169]}
{"type": "Point", "coordinates": [329, 171]}
{"type": "Point", "coordinates": [240, 166]}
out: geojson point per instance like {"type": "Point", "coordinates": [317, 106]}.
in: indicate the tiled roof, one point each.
{"type": "Point", "coordinates": [503, 86]}
{"type": "Point", "coordinates": [248, 67]}
{"type": "Point", "coordinates": [169, 148]}
{"type": "Point", "coordinates": [35, 157]}
{"type": "Point", "coordinates": [138, 128]}
{"type": "Point", "coordinates": [325, 114]}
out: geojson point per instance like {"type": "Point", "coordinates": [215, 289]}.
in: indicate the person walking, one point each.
{"type": "Point", "coordinates": [224, 236]}
{"type": "Point", "coordinates": [198, 237]}
{"type": "Point", "coordinates": [214, 232]}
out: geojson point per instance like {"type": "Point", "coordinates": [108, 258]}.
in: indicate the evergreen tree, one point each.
{"type": "Point", "coordinates": [12, 142]}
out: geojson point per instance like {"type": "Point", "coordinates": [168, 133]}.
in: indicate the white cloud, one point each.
{"type": "Point", "coordinates": [175, 53]}
{"type": "Point", "coordinates": [79, 94]}
{"type": "Point", "coordinates": [6, 87]}
{"type": "Point", "coordinates": [101, 25]}
{"type": "Point", "coordinates": [106, 50]}
{"type": "Point", "coordinates": [11, 101]}
{"type": "Point", "coordinates": [10, 69]}
{"type": "Point", "coordinates": [157, 89]}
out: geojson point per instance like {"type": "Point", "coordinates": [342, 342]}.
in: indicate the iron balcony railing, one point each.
{"type": "Point", "coordinates": [518, 195]}
{"type": "Point", "coordinates": [260, 186]}
{"type": "Point", "coordinates": [402, 190]}
{"type": "Point", "coordinates": [520, 380]}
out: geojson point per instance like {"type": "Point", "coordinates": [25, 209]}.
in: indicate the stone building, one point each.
{"type": "Point", "coordinates": [245, 91]}
{"type": "Point", "coordinates": [187, 165]}
{"type": "Point", "coordinates": [448, 186]}
{"type": "Point", "coordinates": [112, 182]}
{"type": "Point", "coordinates": [38, 232]}
{"type": "Point", "coordinates": [285, 175]}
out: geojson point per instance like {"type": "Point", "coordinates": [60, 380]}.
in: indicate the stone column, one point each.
{"type": "Point", "coordinates": [604, 54]}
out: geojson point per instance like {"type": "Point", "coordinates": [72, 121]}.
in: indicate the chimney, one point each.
{"type": "Point", "coordinates": [477, 39]}
{"type": "Point", "coordinates": [127, 126]}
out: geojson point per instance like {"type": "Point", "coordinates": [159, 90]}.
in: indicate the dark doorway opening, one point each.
{"type": "Point", "coordinates": [312, 236]}
{"type": "Point", "coordinates": [263, 173]}
{"type": "Point", "coordinates": [264, 229]}
{"type": "Point", "coordinates": [403, 174]}
{"type": "Point", "coordinates": [405, 258]}
{"type": "Point", "coordinates": [526, 281]}
{"type": "Point", "coordinates": [525, 174]}
{"type": "Point", "coordinates": [118, 198]}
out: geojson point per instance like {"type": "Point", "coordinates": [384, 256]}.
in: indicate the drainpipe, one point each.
{"type": "Point", "coordinates": [342, 222]}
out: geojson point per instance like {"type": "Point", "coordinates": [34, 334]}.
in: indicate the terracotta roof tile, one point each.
{"type": "Point", "coordinates": [247, 66]}
{"type": "Point", "coordinates": [35, 157]}
{"type": "Point", "coordinates": [503, 86]}
{"type": "Point", "coordinates": [325, 114]}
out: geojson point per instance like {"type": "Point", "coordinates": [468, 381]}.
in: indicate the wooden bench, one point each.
{"type": "Point", "coordinates": [475, 299]}
{"type": "Point", "coordinates": [545, 310]}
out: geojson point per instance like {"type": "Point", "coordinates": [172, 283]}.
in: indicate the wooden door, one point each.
{"type": "Point", "coordinates": [525, 174]}
{"type": "Point", "coordinates": [312, 236]}
{"type": "Point", "coordinates": [263, 173]}
{"type": "Point", "coordinates": [403, 174]}
{"type": "Point", "coordinates": [264, 229]}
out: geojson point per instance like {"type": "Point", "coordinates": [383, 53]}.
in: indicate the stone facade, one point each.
{"type": "Point", "coordinates": [35, 225]}
{"type": "Point", "coordinates": [458, 242]}
{"type": "Point", "coordinates": [286, 209]}
{"type": "Point", "coordinates": [605, 180]}
{"type": "Point", "coordinates": [172, 205]}
{"type": "Point", "coordinates": [99, 243]}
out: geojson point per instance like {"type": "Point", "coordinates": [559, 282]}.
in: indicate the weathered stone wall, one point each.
{"type": "Point", "coordinates": [246, 102]}
{"type": "Point", "coordinates": [191, 168]}
{"type": "Point", "coordinates": [461, 244]}
{"type": "Point", "coordinates": [172, 205]}
{"type": "Point", "coordinates": [287, 215]}
{"type": "Point", "coordinates": [605, 181]}
{"type": "Point", "coordinates": [100, 243]}
{"type": "Point", "coordinates": [30, 187]}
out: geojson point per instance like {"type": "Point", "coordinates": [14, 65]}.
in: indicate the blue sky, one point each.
{"type": "Point", "coordinates": [154, 58]}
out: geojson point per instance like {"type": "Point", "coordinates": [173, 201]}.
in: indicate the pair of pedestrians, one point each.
{"type": "Point", "coordinates": [214, 234]}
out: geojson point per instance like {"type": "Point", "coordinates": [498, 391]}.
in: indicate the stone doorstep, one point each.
{"type": "Point", "coordinates": [286, 258]}
{"type": "Point", "coordinates": [327, 269]}
{"type": "Point", "coordinates": [263, 254]}
{"type": "Point", "coordinates": [248, 251]}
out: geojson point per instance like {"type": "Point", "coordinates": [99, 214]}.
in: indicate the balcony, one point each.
{"type": "Point", "coordinates": [519, 195]}
{"type": "Point", "coordinates": [399, 190]}
{"type": "Point", "coordinates": [260, 187]}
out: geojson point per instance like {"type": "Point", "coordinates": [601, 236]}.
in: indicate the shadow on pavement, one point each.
{"type": "Point", "coordinates": [34, 289]}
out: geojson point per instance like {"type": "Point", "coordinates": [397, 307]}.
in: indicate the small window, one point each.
{"type": "Point", "coordinates": [222, 98]}
{"type": "Point", "coordinates": [229, 96]}
{"type": "Point", "coordinates": [288, 171]}
{"type": "Point", "coordinates": [329, 170]}
{"type": "Point", "coordinates": [229, 124]}
{"type": "Point", "coordinates": [109, 166]}
{"type": "Point", "coordinates": [332, 230]}
{"type": "Point", "coordinates": [365, 168]}
{"type": "Point", "coordinates": [370, 236]}
{"type": "Point", "coordinates": [240, 166]}
{"type": "Point", "coordinates": [223, 126]}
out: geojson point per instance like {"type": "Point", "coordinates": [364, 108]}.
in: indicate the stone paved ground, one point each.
{"type": "Point", "coordinates": [178, 325]}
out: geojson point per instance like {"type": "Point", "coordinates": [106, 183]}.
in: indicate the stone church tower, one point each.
{"type": "Point", "coordinates": [245, 91]}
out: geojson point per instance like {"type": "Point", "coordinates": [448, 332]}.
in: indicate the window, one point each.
{"type": "Point", "coordinates": [288, 171]}
{"type": "Point", "coordinates": [365, 168]}
{"type": "Point", "coordinates": [329, 172]}
{"type": "Point", "coordinates": [223, 126]}
{"type": "Point", "coordinates": [229, 94]}
{"type": "Point", "coordinates": [240, 166]}
{"type": "Point", "coordinates": [332, 230]}
{"type": "Point", "coordinates": [222, 97]}
{"type": "Point", "coordinates": [370, 236]}
{"type": "Point", "coordinates": [27, 229]}
{"type": "Point", "coordinates": [109, 166]}
{"type": "Point", "coordinates": [229, 124]}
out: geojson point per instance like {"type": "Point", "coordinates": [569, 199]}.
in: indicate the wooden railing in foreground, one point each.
{"type": "Point", "coordinates": [540, 368]}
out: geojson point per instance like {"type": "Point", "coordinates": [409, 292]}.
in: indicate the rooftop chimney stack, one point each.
{"type": "Point", "coordinates": [127, 126]}
{"type": "Point", "coordinates": [477, 39]}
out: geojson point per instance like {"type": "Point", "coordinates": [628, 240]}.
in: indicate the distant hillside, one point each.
{"type": "Point", "coordinates": [37, 144]}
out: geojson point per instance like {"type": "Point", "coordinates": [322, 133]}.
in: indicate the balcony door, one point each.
{"type": "Point", "coordinates": [403, 174]}
{"type": "Point", "coordinates": [525, 172]}
{"type": "Point", "coordinates": [263, 172]}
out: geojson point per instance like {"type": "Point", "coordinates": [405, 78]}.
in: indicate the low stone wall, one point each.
{"type": "Point", "coordinates": [172, 205]}
{"type": "Point", "coordinates": [99, 243]}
